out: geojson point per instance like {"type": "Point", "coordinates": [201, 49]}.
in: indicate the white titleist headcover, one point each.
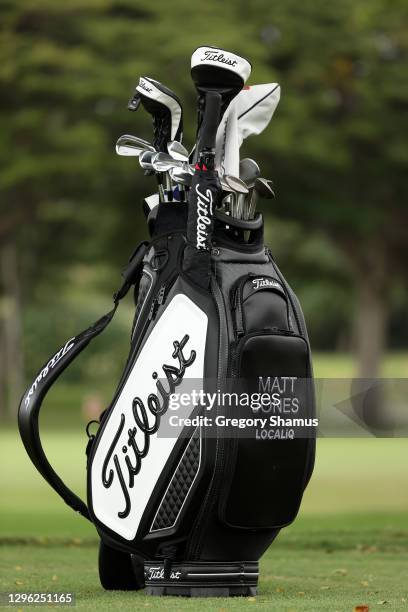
{"type": "Point", "coordinates": [249, 113]}
{"type": "Point", "coordinates": [150, 88]}
{"type": "Point", "coordinates": [211, 56]}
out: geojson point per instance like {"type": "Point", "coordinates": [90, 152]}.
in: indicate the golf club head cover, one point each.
{"type": "Point", "coordinates": [249, 113]}
{"type": "Point", "coordinates": [165, 108]}
{"type": "Point", "coordinates": [214, 69]}
{"type": "Point", "coordinates": [210, 63]}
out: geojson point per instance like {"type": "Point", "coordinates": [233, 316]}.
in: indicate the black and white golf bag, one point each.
{"type": "Point", "coordinates": [191, 512]}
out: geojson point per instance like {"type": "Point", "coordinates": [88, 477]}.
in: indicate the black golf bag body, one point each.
{"type": "Point", "coordinates": [199, 508]}
{"type": "Point", "coordinates": [187, 495]}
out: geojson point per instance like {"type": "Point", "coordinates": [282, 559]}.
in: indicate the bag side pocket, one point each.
{"type": "Point", "coordinates": [268, 475]}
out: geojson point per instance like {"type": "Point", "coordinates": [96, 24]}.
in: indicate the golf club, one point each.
{"type": "Point", "coordinates": [177, 151]}
{"type": "Point", "coordinates": [262, 189]}
{"type": "Point", "coordinates": [180, 176]}
{"type": "Point", "coordinates": [167, 114]}
{"type": "Point", "coordinates": [248, 171]}
{"type": "Point", "coordinates": [214, 69]}
{"type": "Point", "coordinates": [145, 161]}
{"type": "Point", "coordinates": [132, 146]}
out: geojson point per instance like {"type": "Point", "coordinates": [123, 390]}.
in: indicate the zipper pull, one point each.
{"type": "Point", "coordinates": [239, 329]}
{"type": "Point", "coordinates": [153, 310]}
{"type": "Point", "coordinates": [239, 325]}
{"type": "Point", "coordinates": [161, 296]}
{"type": "Point", "coordinates": [158, 301]}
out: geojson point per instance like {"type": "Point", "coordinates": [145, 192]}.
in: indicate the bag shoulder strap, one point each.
{"type": "Point", "coordinates": [29, 410]}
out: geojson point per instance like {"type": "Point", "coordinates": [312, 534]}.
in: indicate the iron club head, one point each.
{"type": "Point", "coordinates": [145, 160]}
{"type": "Point", "coordinates": [248, 171]}
{"type": "Point", "coordinates": [233, 183]}
{"type": "Point", "coordinates": [180, 176]}
{"type": "Point", "coordinates": [132, 146]}
{"type": "Point", "coordinates": [264, 188]}
{"type": "Point", "coordinates": [177, 151]}
{"type": "Point", "coordinates": [162, 162]}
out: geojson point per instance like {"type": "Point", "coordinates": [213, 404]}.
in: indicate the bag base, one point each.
{"type": "Point", "coordinates": [201, 578]}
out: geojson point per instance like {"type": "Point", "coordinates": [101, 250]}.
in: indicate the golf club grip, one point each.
{"type": "Point", "coordinates": [211, 120]}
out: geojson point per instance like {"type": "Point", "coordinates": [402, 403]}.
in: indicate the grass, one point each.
{"type": "Point", "coordinates": [65, 402]}
{"type": "Point", "coordinates": [348, 547]}
{"type": "Point", "coordinates": [342, 365]}
{"type": "Point", "coordinates": [318, 564]}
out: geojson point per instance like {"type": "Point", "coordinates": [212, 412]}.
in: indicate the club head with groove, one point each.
{"type": "Point", "coordinates": [233, 184]}
{"type": "Point", "coordinates": [132, 146]}
{"type": "Point", "coordinates": [248, 171]}
{"type": "Point", "coordinates": [264, 189]}
{"type": "Point", "coordinates": [145, 160]}
{"type": "Point", "coordinates": [181, 177]}
{"type": "Point", "coordinates": [177, 151]}
{"type": "Point", "coordinates": [163, 163]}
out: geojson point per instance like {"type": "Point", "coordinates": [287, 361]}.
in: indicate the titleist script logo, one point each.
{"type": "Point", "coordinates": [216, 56]}
{"type": "Point", "coordinates": [204, 215]}
{"type": "Point", "coordinates": [143, 85]}
{"type": "Point", "coordinates": [259, 283]}
{"type": "Point", "coordinates": [157, 405]}
{"type": "Point", "coordinates": [157, 573]}
{"type": "Point", "coordinates": [50, 365]}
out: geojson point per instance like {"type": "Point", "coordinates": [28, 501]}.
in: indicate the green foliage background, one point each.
{"type": "Point", "coordinates": [70, 215]}
{"type": "Point", "coordinates": [336, 149]}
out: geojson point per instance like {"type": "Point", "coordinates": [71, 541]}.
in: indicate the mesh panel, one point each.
{"type": "Point", "coordinates": [179, 486]}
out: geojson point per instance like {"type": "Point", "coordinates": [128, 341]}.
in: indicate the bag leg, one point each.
{"type": "Point", "coordinates": [118, 570]}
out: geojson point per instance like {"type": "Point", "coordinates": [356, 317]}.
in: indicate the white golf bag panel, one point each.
{"type": "Point", "coordinates": [119, 495]}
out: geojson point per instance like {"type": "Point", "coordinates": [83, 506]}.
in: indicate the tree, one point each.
{"type": "Point", "coordinates": [338, 139]}
{"type": "Point", "coordinates": [336, 142]}
{"type": "Point", "coordinates": [66, 73]}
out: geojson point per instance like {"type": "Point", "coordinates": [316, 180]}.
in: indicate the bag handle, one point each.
{"type": "Point", "coordinates": [29, 410]}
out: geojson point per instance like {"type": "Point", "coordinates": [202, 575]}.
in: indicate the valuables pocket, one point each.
{"type": "Point", "coordinates": [267, 472]}
{"type": "Point", "coordinates": [258, 303]}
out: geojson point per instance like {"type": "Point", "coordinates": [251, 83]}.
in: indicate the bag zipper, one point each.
{"type": "Point", "coordinates": [223, 358]}
{"type": "Point", "coordinates": [298, 318]}
{"type": "Point", "coordinates": [158, 301]}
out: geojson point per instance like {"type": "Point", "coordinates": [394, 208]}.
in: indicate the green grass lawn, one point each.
{"type": "Point", "coordinates": [348, 547]}
{"type": "Point", "coordinates": [342, 365]}
{"type": "Point", "coordinates": [318, 564]}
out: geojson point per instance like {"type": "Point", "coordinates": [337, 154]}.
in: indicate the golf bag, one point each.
{"type": "Point", "coordinates": [190, 513]}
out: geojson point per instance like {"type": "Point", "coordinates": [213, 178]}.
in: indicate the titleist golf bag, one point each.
{"type": "Point", "coordinates": [191, 512]}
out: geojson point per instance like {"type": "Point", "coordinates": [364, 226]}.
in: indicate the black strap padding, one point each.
{"type": "Point", "coordinates": [31, 402]}
{"type": "Point", "coordinates": [132, 271]}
